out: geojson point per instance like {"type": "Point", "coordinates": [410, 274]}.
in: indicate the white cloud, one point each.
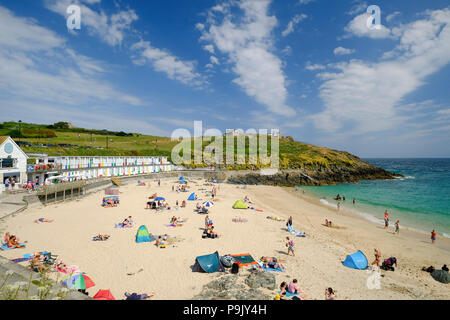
{"type": "Point", "coordinates": [164, 61]}
{"type": "Point", "coordinates": [69, 79]}
{"type": "Point", "coordinates": [110, 29]}
{"type": "Point", "coordinates": [209, 48]}
{"type": "Point", "coordinates": [358, 8]}
{"type": "Point", "coordinates": [391, 16]}
{"type": "Point", "coordinates": [291, 25]}
{"type": "Point", "coordinates": [305, 1]}
{"type": "Point", "coordinates": [247, 40]}
{"type": "Point", "coordinates": [314, 67]}
{"type": "Point", "coordinates": [343, 51]}
{"type": "Point", "coordinates": [358, 27]}
{"type": "Point", "coordinates": [367, 97]}
{"type": "Point", "coordinates": [214, 60]}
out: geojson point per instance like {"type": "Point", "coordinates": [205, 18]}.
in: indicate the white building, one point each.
{"type": "Point", "coordinates": [77, 168]}
{"type": "Point", "coordinates": [13, 163]}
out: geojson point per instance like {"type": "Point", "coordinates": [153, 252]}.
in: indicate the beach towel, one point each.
{"type": "Point", "coordinates": [5, 247]}
{"type": "Point", "coordinates": [258, 210]}
{"type": "Point", "coordinates": [288, 294]}
{"type": "Point", "coordinates": [298, 233]}
{"type": "Point", "coordinates": [279, 269]}
{"type": "Point", "coordinates": [98, 239]}
{"type": "Point", "coordinates": [173, 226]}
{"type": "Point", "coordinates": [21, 260]}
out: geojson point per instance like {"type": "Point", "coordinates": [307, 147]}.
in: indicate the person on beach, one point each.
{"type": "Point", "coordinates": [386, 219]}
{"type": "Point", "coordinates": [290, 245]}
{"type": "Point", "coordinates": [397, 227]}
{"type": "Point", "coordinates": [354, 201]}
{"type": "Point", "coordinates": [142, 296]}
{"type": "Point", "coordinates": [36, 263]}
{"type": "Point", "coordinates": [328, 223]}
{"type": "Point", "coordinates": [377, 260]}
{"type": "Point", "coordinates": [289, 223]}
{"type": "Point", "coordinates": [159, 183]}
{"type": "Point", "coordinates": [158, 241]}
{"type": "Point", "coordinates": [293, 287]}
{"type": "Point", "coordinates": [338, 206]}
{"type": "Point", "coordinates": [42, 220]}
{"type": "Point", "coordinates": [128, 222]}
{"type": "Point", "coordinates": [212, 234]}
{"type": "Point", "coordinates": [13, 242]}
{"type": "Point", "coordinates": [329, 294]}
{"type": "Point", "coordinates": [183, 204]}
{"type": "Point", "coordinates": [433, 236]}
{"type": "Point", "coordinates": [6, 237]}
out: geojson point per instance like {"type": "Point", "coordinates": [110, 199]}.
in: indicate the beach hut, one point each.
{"type": "Point", "coordinates": [104, 295]}
{"type": "Point", "coordinates": [142, 235]}
{"type": "Point", "coordinates": [208, 263]}
{"type": "Point", "coordinates": [192, 197]}
{"type": "Point", "coordinates": [356, 260]}
{"type": "Point", "coordinates": [240, 205]}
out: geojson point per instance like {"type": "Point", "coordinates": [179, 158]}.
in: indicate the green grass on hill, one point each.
{"type": "Point", "coordinates": [293, 155]}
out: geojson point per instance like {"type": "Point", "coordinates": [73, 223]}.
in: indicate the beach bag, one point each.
{"type": "Point", "coordinates": [235, 268]}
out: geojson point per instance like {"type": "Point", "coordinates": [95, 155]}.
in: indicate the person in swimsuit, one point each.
{"type": "Point", "coordinates": [377, 257]}
{"type": "Point", "coordinates": [42, 220]}
{"type": "Point", "coordinates": [433, 236]}
{"type": "Point", "coordinates": [397, 227]}
{"type": "Point", "coordinates": [386, 219]}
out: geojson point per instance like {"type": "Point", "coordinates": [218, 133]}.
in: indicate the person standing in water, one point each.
{"type": "Point", "coordinates": [397, 227]}
{"type": "Point", "coordinates": [433, 236]}
{"type": "Point", "coordinates": [386, 219]}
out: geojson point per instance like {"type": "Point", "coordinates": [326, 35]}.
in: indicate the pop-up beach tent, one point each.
{"type": "Point", "coordinates": [240, 205]}
{"type": "Point", "coordinates": [142, 235]}
{"type": "Point", "coordinates": [192, 197]}
{"type": "Point", "coordinates": [356, 261]}
{"type": "Point", "coordinates": [209, 263]}
{"type": "Point", "coordinates": [104, 295]}
{"type": "Point", "coordinates": [181, 179]}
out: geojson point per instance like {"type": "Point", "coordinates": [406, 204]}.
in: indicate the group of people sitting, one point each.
{"type": "Point", "coordinates": [11, 241]}
{"type": "Point", "coordinates": [159, 241]}
{"type": "Point", "coordinates": [201, 209]}
{"type": "Point", "coordinates": [209, 232]}
{"type": "Point", "coordinates": [178, 222]}
{"type": "Point", "coordinates": [181, 188]}
{"type": "Point", "coordinates": [110, 202]}
{"type": "Point", "coordinates": [127, 223]}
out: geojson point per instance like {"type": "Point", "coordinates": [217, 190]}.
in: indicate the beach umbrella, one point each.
{"type": "Point", "coordinates": [104, 295]}
{"type": "Point", "coordinates": [79, 282]}
{"type": "Point", "coordinates": [160, 199]}
{"type": "Point", "coordinates": [181, 179]}
{"type": "Point", "coordinates": [208, 204]}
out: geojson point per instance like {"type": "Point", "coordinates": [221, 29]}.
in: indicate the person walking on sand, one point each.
{"type": "Point", "coordinates": [338, 206]}
{"type": "Point", "coordinates": [386, 219]}
{"type": "Point", "coordinates": [397, 227]}
{"type": "Point", "coordinates": [290, 245]}
{"type": "Point", "coordinates": [433, 236]}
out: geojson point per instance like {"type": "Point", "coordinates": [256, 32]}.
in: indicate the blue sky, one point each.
{"type": "Point", "coordinates": [311, 68]}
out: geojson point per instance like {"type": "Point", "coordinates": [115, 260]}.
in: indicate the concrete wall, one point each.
{"type": "Point", "coordinates": [22, 274]}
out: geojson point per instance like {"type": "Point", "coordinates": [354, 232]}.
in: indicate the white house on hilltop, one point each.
{"type": "Point", "coordinates": [13, 162]}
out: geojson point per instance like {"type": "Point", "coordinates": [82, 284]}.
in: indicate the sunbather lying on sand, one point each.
{"type": "Point", "coordinates": [101, 237]}
{"type": "Point", "coordinates": [42, 220]}
{"type": "Point", "coordinates": [142, 296]}
{"type": "Point", "coordinates": [128, 222]}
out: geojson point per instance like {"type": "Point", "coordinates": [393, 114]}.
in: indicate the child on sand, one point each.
{"type": "Point", "coordinates": [433, 236]}
{"type": "Point", "coordinates": [397, 227]}
{"type": "Point", "coordinates": [329, 294]}
{"type": "Point", "coordinates": [290, 245]}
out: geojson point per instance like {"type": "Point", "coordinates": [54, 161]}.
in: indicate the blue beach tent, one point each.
{"type": "Point", "coordinates": [181, 179]}
{"type": "Point", "coordinates": [142, 235]}
{"type": "Point", "coordinates": [192, 197]}
{"type": "Point", "coordinates": [356, 261]}
{"type": "Point", "coordinates": [209, 263]}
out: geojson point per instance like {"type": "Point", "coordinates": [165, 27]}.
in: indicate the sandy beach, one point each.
{"type": "Point", "coordinates": [167, 272]}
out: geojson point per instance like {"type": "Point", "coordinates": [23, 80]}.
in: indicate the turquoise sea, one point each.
{"type": "Point", "coordinates": [420, 200]}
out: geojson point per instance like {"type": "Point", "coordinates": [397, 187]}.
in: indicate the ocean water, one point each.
{"type": "Point", "coordinates": [420, 200]}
